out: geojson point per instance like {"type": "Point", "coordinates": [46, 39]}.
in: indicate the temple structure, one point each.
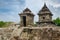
{"type": "Point", "coordinates": [45, 16]}
{"type": "Point", "coordinates": [27, 18]}
{"type": "Point", "coordinates": [45, 29]}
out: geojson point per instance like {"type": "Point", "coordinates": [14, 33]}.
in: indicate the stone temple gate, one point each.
{"type": "Point", "coordinates": [45, 17]}
{"type": "Point", "coordinates": [27, 18]}
{"type": "Point", "coordinates": [45, 29]}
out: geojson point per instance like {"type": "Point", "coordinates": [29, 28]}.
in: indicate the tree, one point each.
{"type": "Point", "coordinates": [2, 23]}
{"type": "Point", "coordinates": [5, 24]}
{"type": "Point", "coordinates": [57, 21]}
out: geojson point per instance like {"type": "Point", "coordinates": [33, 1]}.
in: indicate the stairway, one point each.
{"type": "Point", "coordinates": [16, 32]}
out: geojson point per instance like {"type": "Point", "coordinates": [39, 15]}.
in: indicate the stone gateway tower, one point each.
{"type": "Point", "coordinates": [27, 17]}
{"type": "Point", "coordinates": [45, 16]}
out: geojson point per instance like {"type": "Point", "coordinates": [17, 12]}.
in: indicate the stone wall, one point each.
{"type": "Point", "coordinates": [31, 33]}
{"type": "Point", "coordinates": [40, 34]}
{"type": "Point", "coordinates": [43, 18]}
{"type": "Point", "coordinates": [29, 20]}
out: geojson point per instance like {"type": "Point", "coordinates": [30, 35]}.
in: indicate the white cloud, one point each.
{"type": "Point", "coordinates": [34, 5]}
{"type": "Point", "coordinates": [55, 4]}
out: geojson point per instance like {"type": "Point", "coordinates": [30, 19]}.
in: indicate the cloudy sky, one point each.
{"type": "Point", "coordinates": [9, 9]}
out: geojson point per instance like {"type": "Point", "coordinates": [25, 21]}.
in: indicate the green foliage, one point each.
{"type": "Point", "coordinates": [5, 24]}
{"type": "Point", "coordinates": [57, 21]}
{"type": "Point", "coordinates": [2, 23]}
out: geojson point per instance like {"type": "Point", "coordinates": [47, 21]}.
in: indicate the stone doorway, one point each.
{"type": "Point", "coordinates": [24, 20]}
